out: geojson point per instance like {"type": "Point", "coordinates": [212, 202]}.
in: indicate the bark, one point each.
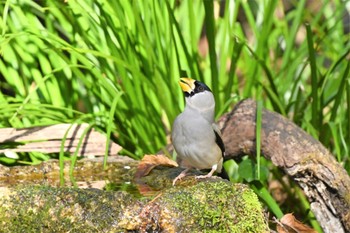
{"type": "Point", "coordinates": [324, 181]}
{"type": "Point", "coordinates": [49, 139]}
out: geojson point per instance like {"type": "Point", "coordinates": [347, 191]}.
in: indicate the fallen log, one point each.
{"type": "Point", "coordinates": [49, 139]}
{"type": "Point", "coordinates": [324, 181]}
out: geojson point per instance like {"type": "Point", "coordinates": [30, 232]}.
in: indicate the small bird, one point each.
{"type": "Point", "coordinates": [195, 136]}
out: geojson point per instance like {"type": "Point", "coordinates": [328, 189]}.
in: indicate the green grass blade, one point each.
{"type": "Point", "coordinates": [259, 107]}
{"type": "Point", "coordinates": [75, 155]}
{"type": "Point", "coordinates": [110, 127]}
{"type": "Point", "coordinates": [210, 33]}
{"type": "Point", "coordinates": [264, 194]}
{"type": "Point", "coordinates": [316, 121]}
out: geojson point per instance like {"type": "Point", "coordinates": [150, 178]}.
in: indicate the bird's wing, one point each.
{"type": "Point", "coordinates": [218, 138]}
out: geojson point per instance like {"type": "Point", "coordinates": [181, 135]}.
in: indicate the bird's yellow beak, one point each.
{"type": "Point", "coordinates": [187, 84]}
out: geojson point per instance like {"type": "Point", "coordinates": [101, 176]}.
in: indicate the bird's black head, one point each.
{"type": "Point", "coordinates": [191, 87]}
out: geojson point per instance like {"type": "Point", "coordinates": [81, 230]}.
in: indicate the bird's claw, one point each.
{"type": "Point", "coordinates": [176, 179]}
{"type": "Point", "coordinates": [182, 175]}
{"type": "Point", "coordinates": [202, 176]}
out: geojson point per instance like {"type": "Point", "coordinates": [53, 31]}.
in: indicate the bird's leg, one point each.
{"type": "Point", "coordinates": [182, 175]}
{"type": "Point", "coordinates": [213, 169]}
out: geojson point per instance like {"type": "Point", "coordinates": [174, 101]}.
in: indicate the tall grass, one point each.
{"type": "Point", "coordinates": [115, 64]}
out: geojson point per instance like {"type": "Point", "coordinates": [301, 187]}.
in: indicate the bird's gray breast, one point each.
{"type": "Point", "coordinates": [194, 141]}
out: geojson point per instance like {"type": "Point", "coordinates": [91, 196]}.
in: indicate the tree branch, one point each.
{"type": "Point", "coordinates": [324, 181]}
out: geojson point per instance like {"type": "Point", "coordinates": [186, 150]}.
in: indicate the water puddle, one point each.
{"type": "Point", "coordinates": [118, 176]}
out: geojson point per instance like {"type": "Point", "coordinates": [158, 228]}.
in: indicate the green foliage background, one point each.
{"type": "Point", "coordinates": [115, 64]}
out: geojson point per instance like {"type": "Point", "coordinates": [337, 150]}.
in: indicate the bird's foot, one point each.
{"type": "Point", "coordinates": [213, 169]}
{"type": "Point", "coordinates": [203, 176]}
{"type": "Point", "coordinates": [179, 177]}
{"type": "Point", "coordinates": [182, 175]}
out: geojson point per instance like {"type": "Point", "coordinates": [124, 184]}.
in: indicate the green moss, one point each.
{"type": "Point", "coordinates": [217, 206]}
{"type": "Point", "coordinates": [207, 206]}
{"type": "Point", "coordinates": [62, 209]}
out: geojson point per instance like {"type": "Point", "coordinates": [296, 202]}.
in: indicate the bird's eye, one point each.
{"type": "Point", "coordinates": [200, 88]}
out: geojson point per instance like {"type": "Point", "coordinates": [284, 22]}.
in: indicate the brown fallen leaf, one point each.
{"type": "Point", "coordinates": [289, 224]}
{"type": "Point", "coordinates": [151, 161]}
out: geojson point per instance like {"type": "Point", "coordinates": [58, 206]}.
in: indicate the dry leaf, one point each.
{"type": "Point", "coordinates": [289, 224]}
{"type": "Point", "coordinates": [145, 190]}
{"type": "Point", "coordinates": [151, 161]}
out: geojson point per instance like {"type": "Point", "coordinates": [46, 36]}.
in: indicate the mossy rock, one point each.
{"type": "Point", "coordinates": [212, 205]}
{"type": "Point", "coordinates": [217, 206]}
